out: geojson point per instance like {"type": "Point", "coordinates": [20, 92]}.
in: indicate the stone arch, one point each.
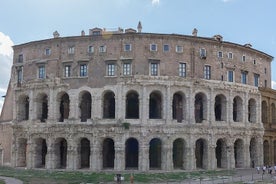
{"type": "Point", "coordinates": [221, 153]}
{"type": "Point", "coordinates": [40, 152]}
{"type": "Point", "coordinates": [42, 107]}
{"type": "Point", "coordinates": [264, 112]}
{"type": "Point", "coordinates": [220, 108]}
{"type": "Point", "coordinates": [108, 152]}
{"type": "Point", "coordinates": [132, 153]}
{"type": "Point", "coordinates": [252, 110]}
{"type": "Point", "coordinates": [155, 152]}
{"type": "Point", "coordinates": [84, 153]}
{"type": "Point", "coordinates": [239, 153]}
{"type": "Point", "coordinates": [85, 101]}
{"type": "Point", "coordinates": [200, 107]}
{"type": "Point", "coordinates": [155, 105]}
{"type": "Point", "coordinates": [253, 151]}
{"type": "Point", "coordinates": [21, 160]}
{"type": "Point", "coordinates": [237, 109]}
{"type": "Point", "coordinates": [23, 108]}
{"type": "Point", "coordinates": [109, 105]}
{"type": "Point", "coordinates": [132, 105]}
{"type": "Point", "coordinates": [179, 154]}
{"type": "Point", "coordinates": [60, 153]}
{"type": "Point", "coordinates": [179, 106]}
{"type": "Point", "coordinates": [273, 113]}
{"type": "Point", "coordinates": [64, 106]}
{"type": "Point", "coordinates": [266, 152]}
{"type": "Point", "coordinates": [201, 153]}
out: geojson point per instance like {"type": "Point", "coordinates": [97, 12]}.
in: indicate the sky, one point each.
{"type": "Point", "coordinates": [238, 21]}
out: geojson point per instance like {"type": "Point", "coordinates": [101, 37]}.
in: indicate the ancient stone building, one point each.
{"type": "Point", "coordinates": [132, 100]}
{"type": "Point", "coordinates": [269, 123]}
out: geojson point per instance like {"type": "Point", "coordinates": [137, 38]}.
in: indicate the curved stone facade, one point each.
{"type": "Point", "coordinates": [138, 101]}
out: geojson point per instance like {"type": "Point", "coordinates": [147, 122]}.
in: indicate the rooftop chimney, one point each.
{"type": "Point", "coordinates": [82, 33]}
{"type": "Point", "coordinates": [55, 34]}
{"type": "Point", "coordinates": [139, 27]}
{"type": "Point", "coordinates": [194, 32]}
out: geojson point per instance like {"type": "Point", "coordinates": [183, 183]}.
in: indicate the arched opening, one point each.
{"type": "Point", "coordinates": [42, 107]}
{"type": "Point", "coordinates": [178, 107]}
{"type": "Point", "coordinates": [239, 153]}
{"type": "Point", "coordinates": [221, 154]}
{"type": "Point", "coordinates": [155, 153]}
{"type": "Point", "coordinates": [179, 154]}
{"type": "Point", "coordinates": [108, 153]}
{"type": "Point", "coordinates": [252, 110]}
{"type": "Point", "coordinates": [85, 106]}
{"type": "Point", "coordinates": [23, 108]}
{"type": "Point", "coordinates": [264, 112]}
{"type": "Point", "coordinates": [64, 107]}
{"type": "Point", "coordinates": [132, 105]}
{"type": "Point", "coordinates": [155, 106]}
{"type": "Point", "coordinates": [200, 107]}
{"type": "Point", "coordinates": [253, 152]}
{"type": "Point", "coordinates": [60, 152]}
{"type": "Point", "coordinates": [40, 152]}
{"type": "Point", "coordinates": [201, 154]}
{"type": "Point", "coordinates": [132, 153]}
{"type": "Point", "coordinates": [273, 113]}
{"type": "Point", "coordinates": [109, 105]}
{"type": "Point", "coordinates": [237, 109]}
{"type": "Point", "coordinates": [85, 153]}
{"type": "Point", "coordinates": [220, 108]}
{"type": "Point", "coordinates": [266, 152]}
{"type": "Point", "coordinates": [21, 153]}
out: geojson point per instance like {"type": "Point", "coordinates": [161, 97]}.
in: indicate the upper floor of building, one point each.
{"type": "Point", "coordinates": [103, 57]}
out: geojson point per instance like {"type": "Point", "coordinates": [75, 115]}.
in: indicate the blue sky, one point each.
{"type": "Point", "coordinates": [238, 21]}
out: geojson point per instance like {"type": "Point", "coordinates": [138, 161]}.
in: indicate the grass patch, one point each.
{"type": "Point", "coordinates": [77, 177]}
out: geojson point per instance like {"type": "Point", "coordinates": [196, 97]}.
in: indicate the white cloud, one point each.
{"type": "Point", "coordinates": [225, 1]}
{"type": "Point", "coordinates": [6, 55]}
{"type": "Point", "coordinates": [155, 2]}
{"type": "Point", "coordinates": [5, 45]}
{"type": "Point", "coordinates": [273, 84]}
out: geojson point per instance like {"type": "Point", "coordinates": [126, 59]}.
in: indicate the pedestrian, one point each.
{"type": "Point", "coordinates": [270, 169]}
{"type": "Point", "coordinates": [258, 169]}
{"type": "Point", "coordinates": [264, 169]}
{"type": "Point", "coordinates": [275, 168]}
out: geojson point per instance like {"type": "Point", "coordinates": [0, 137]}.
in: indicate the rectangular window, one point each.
{"type": "Point", "coordinates": [179, 49]}
{"type": "Point", "coordinates": [47, 52]}
{"type": "Point", "coordinates": [207, 72]}
{"type": "Point", "coordinates": [83, 70]}
{"type": "Point", "coordinates": [90, 49]}
{"type": "Point", "coordinates": [243, 58]}
{"type": "Point", "coordinates": [111, 69]}
{"type": "Point", "coordinates": [220, 54]}
{"type": "Point", "coordinates": [127, 47]}
{"type": "Point", "coordinates": [230, 76]}
{"type": "Point", "coordinates": [244, 77]}
{"type": "Point", "coordinates": [230, 55]}
{"type": "Point", "coordinates": [182, 69]}
{"type": "Point", "coordinates": [71, 50]}
{"type": "Point", "coordinates": [202, 53]}
{"type": "Point", "coordinates": [102, 48]}
{"type": "Point", "coordinates": [67, 71]}
{"type": "Point", "coordinates": [19, 75]}
{"type": "Point", "coordinates": [256, 80]}
{"type": "Point", "coordinates": [41, 72]}
{"type": "Point", "coordinates": [154, 69]}
{"type": "Point", "coordinates": [166, 48]}
{"type": "Point", "coordinates": [153, 47]}
{"type": "Point", "coordinates": [20, 58]}
{"type": "Point", "coordinates": [126, 69]}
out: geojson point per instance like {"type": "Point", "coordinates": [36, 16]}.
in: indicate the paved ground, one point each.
{"type": "Point", "coordinates": [11, 180]}
{"type": "Point", "coordinates": [246, 176]}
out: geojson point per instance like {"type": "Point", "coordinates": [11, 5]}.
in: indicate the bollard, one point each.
{"type": "Point", "coordinates": [131, 179]}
